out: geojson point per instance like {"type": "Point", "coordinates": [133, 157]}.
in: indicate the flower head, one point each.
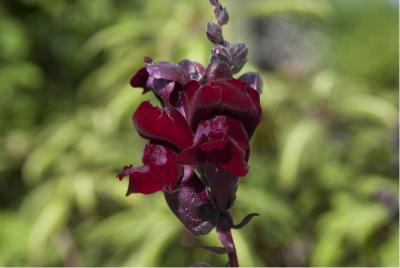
{"type": "Point", "coordinates": [198, 138]}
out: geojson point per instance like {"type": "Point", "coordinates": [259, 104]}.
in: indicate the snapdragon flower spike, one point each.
{"type": "Point", "coordinates": [198, 138]}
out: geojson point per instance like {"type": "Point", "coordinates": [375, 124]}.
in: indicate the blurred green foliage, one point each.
{"type": "Point", "coordinates": [324, 163]}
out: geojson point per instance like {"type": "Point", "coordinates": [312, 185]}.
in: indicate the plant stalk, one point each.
{"type": "Point", "coordinates": [225, 236]}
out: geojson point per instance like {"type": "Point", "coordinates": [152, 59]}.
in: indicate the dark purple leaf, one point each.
{"type": "Point", "coordinates": [188, 202]}
{"type": "Point", "coordinates": [192, 70]}
{"type": "Point", "coordinates": [238, 53]}
{"type": "Point", "coordinates": [221, 14]}
{"type": "Point", "coordinates": [220, 53]}
{"type": "Point", "coordinates": [214, 33]}
{"type": "Point", "coordinates": [218, 69]}
{"type": "Point", "coordinates": [165, 70]}
{"type": "Point", "coordinates": [245, 221]}
{"type": "Point", "coordinates": [253, 80]}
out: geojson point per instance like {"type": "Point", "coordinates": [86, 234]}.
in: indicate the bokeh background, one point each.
{"type": "Point", "coordinates": [324, 162]}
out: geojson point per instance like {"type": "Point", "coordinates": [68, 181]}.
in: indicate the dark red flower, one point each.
{"type": "Point", "coordinates": [222, 141]}
{"type": "Point", "coordinates": [198, 139]}
{"type": "Point", "coordinates": [163, 125]}
{"type": "Point", "coordinates": [205, 123]}
{"type": "Point", "coordinates": [159, 171]}
{"type": "Point", "coordinates": [229, 97]}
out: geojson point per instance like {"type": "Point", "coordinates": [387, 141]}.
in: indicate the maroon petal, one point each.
{"type": "Point", "coordinates": [220, 126]}
{"type": "Point", "coordinates": [190, 203]}
{"type": "Point", "coordinates": [204, 103]}
{"type": "Point", "coordinates": [225, 97]}
{"type": "Point", "coordinates": [139, 79]}
{"type": "Point", "coordinates": [223, 153]}
{"type": "Point", "coordinates": [189, 90]}
{"type": "Point", "coordinates": [222, 141]}
{"type": "Point", "coordinates": [231, 159]}
{"type": "Point", "coordinates": [160, 171]}
{"type": "Point", "coordinates": [241, 104]}
{"type": "Point", "coordinates": [255, 96]}
{"type": "Point", "coordinates": [163, 125]}
{"type": "Point", "coordinates": [214, 145]}
{"type": "Point", "coordinates": [222, 185]}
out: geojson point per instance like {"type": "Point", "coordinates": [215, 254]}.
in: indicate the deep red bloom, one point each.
{"type": "Point", "coordinates": [222, 141]}
{"type": "Point", "coordinates": [159, 171]}
{"type": "Point", "coordinates": [230, 97]}
{"type": "Point", "coordinates": [205, 124]}
{"type": "Point", "coordinates": [166, 125]}
{"type": "Point", "coordinates": [199, 137]}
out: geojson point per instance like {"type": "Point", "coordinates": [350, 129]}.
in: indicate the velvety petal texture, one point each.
{"type": "Point", "coordinates": [222, 141]}
{"type": "Point", "coordinates": [160, 171]}
{"type": "Point", "coordinates": [139, 79]}
{"type": "Point", "coordinates": [162, 125]}
{"type": "Point", "coordinates": [199, 137]}
{"type": "Point", "coordinates": [230, 97]}
{"type": "Point", "coordinates": [222, 185]}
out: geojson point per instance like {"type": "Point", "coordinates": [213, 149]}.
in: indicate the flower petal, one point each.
{"type": "Point", "coordinates": [232, 160]}
{"type": "Point", "coordinates": [227, 97]}
{"type": "Point", "coordinates": [163, 125]}
{"type": "Point", "coordinates": [219, 126]}
{"type": "Point", "coordinates": [222, 185]}
{"type": "Point", "coordinates": [189, 90]}
{"type": "Point", "coordinates": [139, 79]}
{"type": "Point", "coordinates": [204, 103]}
{"type": "Point", "coordinates": [223, 153]}
{"type": "Point", "coordinates": [160, 170]}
